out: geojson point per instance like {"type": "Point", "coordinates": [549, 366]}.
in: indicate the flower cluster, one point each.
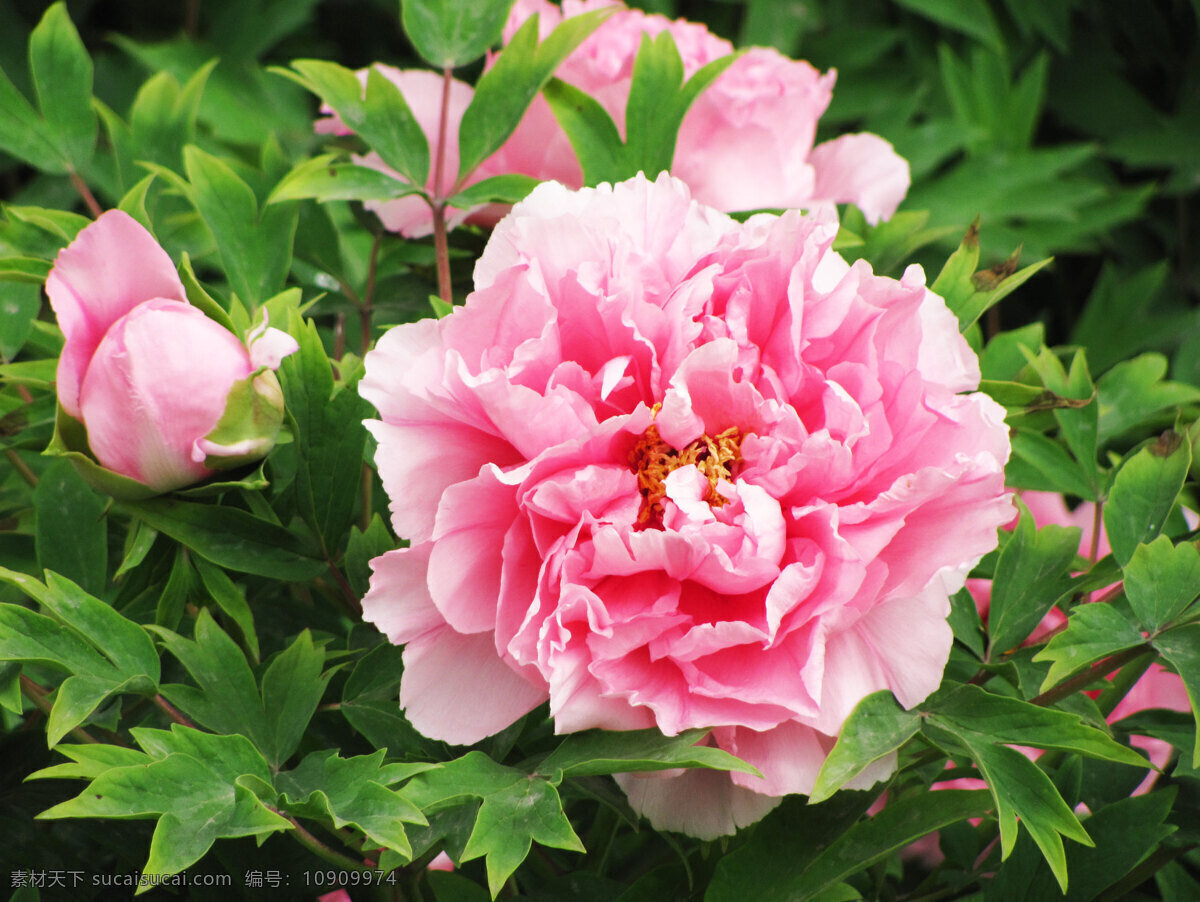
{"type": "Point", "coordinates": [746, 143]}
{"type": "Point", "coordinates": [665, 469]}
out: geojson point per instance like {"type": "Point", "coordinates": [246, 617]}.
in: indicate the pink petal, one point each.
{"type": "Point", "coordinates": [455, 688]}
{"type": "Point", "coordinates": [113, 265]}
{"type": "Point", "coordinates": [701, 803]}
{"type": "Point", "coordinates": [863, 170]}
{"type": "Point", "coordinates": [398, 601]}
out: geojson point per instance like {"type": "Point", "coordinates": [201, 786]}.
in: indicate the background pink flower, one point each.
{"type": "Point", "coordinates": [666, 469]}
{"type": "Point", "coordinates": [147, 374]}
{"type": "Point", "coordinates": [748, 140]}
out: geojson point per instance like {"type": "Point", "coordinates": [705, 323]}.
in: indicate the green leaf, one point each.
{"type": "Point", "coordinates": [591, 131]}
{"type": "Point", "coordinates": [392, 130]}
{"type": "Point", "coordinates": [771, 865]}
{"type": "Point", "coordinates": [23, 133]}
{"type": "Point", "coordinates": [19, 306]}
{"type": "Point", "coordinates": [600, 752]}
{"type": "Point", "coordinates": [1143, 493]}
{"type": "Point", "coordinates": [89, 761]}
{"type": "Point", "coordinates": [256, 249]}
{"type": "Point", "coordinates": [517, 809]}
{"type": "Point", "coordinates": [329, 438]}
{"type": "Point", "coordinates": [188, 780]}
{"type": "Point", "coordinates": [498, 189]}
{"type": "Point", "coordinates": [1181, 647]}
{"type": "Point", "coordinates": [1094, 631]}
{"type": "Point", "coordinates": [1133, 392]}
{"type": "Point", "coordinates": [505, 91]}
{"type": "Point", "coordinates": [62, 76]}
{"type": "Point", "coordinates": [61, 224]}
{"type": "Point", "coordinates": [354, 792]}
{"type": "Point", "coordinates": [321, 179]}
{"type": "Point", "coordinates": [200, 298]}
{"type": "Point", "coordinates": [229, 598]}
{"type": "Point", "coordinates": [1022, 790]}
{"type": "Point", "coordinates": [900, 823]}
{"type": "Point", "coordinates": [362, 548]}
{"type": "Point", "coordinates": [292, 687]}
{"type": "Point", "coordinates": [72, 527]}
{"type": "Point", "coordinates": [371, 703]}
{"type": "Point", "coordinates": [1048, 466]}
{"type": "Point", "coordinates": [970, 711]}
{"type": "Point", "coordinates": [1077, 422]}
{"type": "Point", "coordinates": [231, 538]}
{"type": "Point", "coordinates": [1031, 574]}
{"type": "Point", "coordinates": [227, 700]}
{"type": "Point", "coordinates": [24, 269]}
{"type": "Point", "coordinates": [875, 729]}
{"type": "Point", "coordinates": [1161, 580]}
{"type": "Point", "coordinates": [452, 33]}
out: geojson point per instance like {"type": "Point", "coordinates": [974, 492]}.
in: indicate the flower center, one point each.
{"type": "Point", "coordinates": [652, 459]}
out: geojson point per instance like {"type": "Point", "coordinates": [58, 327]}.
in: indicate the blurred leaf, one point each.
{"type": "Point", "coordinates": [19, 306]}
{"type": "Point", "coordinates": [231, 538]}
{"type": "Point", "coordinates": [24, 269]}
{"type": "Point", "coordinates": [517, 809]}
{"type": "Point", "coordinates": [61, 224]}
{"type": "Point", "coordinates": [62, 76]}
{"type": "Point", "coordinates": [505, 91]}
{"type": "Point", "coordinates": [451, 33]}
{"type": "Point", "coordinates": [1031, 573]}
{"type": "Point", "coordinates": [189, 781]}
{"type": "Point", "coordinates": [354, 792]}
{"type": "Point", "coordinates": [72, 527]}
{"type": "Point", "coordinates": [875, 728]}
{"type": "Point", "coordinates": [971, 17]}
{"type": "Point", "coordinates": [1094, 631]}
{"type": "Point", "coordinates": [602, 752]}
{"type": "Point", "coordinates": [1143, 493]}
{"type": "Point", "coordinates": [1161, 580]}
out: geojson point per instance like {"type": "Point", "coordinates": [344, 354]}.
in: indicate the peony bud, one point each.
{"type": "Point", "coordinates": [166, 394]}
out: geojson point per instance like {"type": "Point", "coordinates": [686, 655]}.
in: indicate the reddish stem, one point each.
{"type": "Point", "coordinates": [86, 193]}
{"type": "Point", "coordinates": [438, 201]}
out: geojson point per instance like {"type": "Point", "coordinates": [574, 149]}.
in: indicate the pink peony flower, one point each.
{"type": "Point", "coordinates": [147, 374]}
{"type": "Point", "coordinates": [668, 470]}
{"type": "Point", "coordinates": [747, 141]}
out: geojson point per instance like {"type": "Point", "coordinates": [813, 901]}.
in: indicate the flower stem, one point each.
{"type": "Point", "coordinates": [322, 851]}
{"type": "Point", "coordinates": [438, 201]}
{"type": "Point", "coordinates": [1097, 670]}
{"type": "Point", "coordinates": [40, 698]}
{"type": "Point", "coordinates": [172, 712]}
{"type": "Point", "coordinates": [86, 193]}
{"type": "Point", "coordinates": [21, 467]}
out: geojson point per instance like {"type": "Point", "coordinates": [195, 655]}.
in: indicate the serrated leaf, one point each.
{"type": "Point", "coordinates": [1143, 493]}
{"type": "Point", "coordinates": [354, 792]}
{"type": "Point", "coordinates": [510, 820]}
{"type": "Point", "coordinates": [875, 728]}
{"type": "Point", "coordinates": [1134, 391]}
{"type": "Point", "coordinates": [452, 33]}
{"type": "Point", "coordinates": [1094, 631]}
{"type": "Point", "coordinates": [1031, 574]}
{"type": "Point", "coordinates": [602, 752]}
{"type": "Point", "coordinates": [189, 782]}
{"type": "Point", "coordinates": [1161, 580]}
{"type": "Point", "coordinates": [517, 809]}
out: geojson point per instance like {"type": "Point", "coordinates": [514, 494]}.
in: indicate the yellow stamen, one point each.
{"type": "Point", "coordinates": [652, 460]}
